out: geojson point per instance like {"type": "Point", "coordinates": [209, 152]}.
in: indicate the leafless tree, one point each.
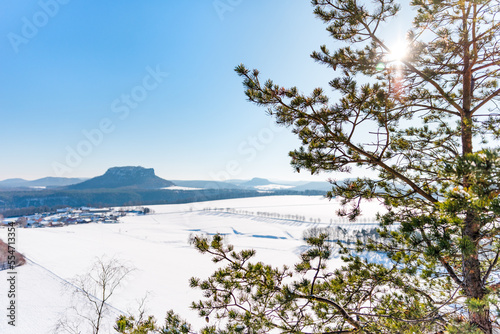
{"type": "Point", "coordinates": [91, 293]}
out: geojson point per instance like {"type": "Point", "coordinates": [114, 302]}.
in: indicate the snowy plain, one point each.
{"type": "Point", "coordinates": [157, 247]}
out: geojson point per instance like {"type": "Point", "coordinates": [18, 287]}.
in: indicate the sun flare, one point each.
{"type": "Point", "coordinates": [398, 51]}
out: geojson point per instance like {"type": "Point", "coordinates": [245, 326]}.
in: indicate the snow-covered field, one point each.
{"type": "Point", "coordinates": [181, 188]}
{"type": "Point", "coordinates": [157, 247]}
{"type": "Point", "coordinates": [273, 187]}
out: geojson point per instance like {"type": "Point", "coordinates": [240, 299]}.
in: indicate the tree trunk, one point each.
{"type": "Point", "coordinates": [473, 284]}
{"type": "Point", "coordinates": [473, 278]}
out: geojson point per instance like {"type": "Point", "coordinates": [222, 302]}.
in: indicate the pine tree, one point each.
{"type": "Point", "coordinates": [427, 123]}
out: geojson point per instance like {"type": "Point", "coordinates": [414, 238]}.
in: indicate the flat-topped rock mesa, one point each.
{"type": "Point", "coordinates": [125, 177]}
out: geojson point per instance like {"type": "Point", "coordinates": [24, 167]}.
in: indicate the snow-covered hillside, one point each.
{"type": "Point", "coordinates": [157, 246]}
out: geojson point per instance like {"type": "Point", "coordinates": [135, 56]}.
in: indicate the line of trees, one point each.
{"type": "Point", "coordinates": [294, 217]}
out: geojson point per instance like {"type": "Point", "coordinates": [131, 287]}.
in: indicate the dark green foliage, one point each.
{"type": "Point", "coordinates": [311, 297]}
{"type": "Point", "coordinates": [128, 325]}
{"type": "Point", "coordinates": [173, 325]}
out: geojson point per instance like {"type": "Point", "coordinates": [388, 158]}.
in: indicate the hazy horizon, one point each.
{"type": "Point", "coordinates": [302, 177]}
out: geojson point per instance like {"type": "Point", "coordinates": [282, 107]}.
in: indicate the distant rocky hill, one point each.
{"type": "Point", "coordinates": [256, 181]}
{"type": "Point", "coordinates": [321, 186]}
{"type": "Point", "coordinates": [124, 177]}
{"type": "Point", "coordinates": [46, 182]}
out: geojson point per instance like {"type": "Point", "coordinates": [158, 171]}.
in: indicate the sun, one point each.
{"type": "Point", "coordinates": [398, 51]}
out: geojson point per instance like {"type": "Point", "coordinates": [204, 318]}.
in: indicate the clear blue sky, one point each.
{"type": "Point", "coordinates": [151, 83]}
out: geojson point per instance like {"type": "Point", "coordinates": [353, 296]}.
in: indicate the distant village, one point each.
{"type": "Point", "coordinates": [72, 216]}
